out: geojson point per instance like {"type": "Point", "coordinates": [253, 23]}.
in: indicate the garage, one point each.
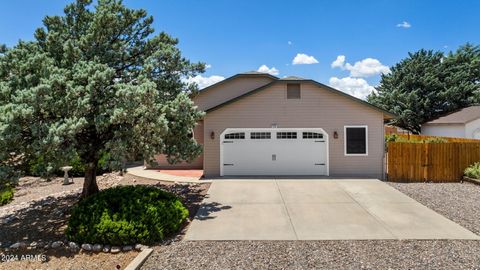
{"type": "Point", "coordinates": [274, 151]}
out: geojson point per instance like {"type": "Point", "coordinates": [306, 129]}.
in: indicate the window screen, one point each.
{"type": "Point", "coordinates": [356, 140]}
{"type": "Point", "coordinates": [237, 135]}
{"type": "Point", "coordinates": [293, 91]}
{"type": "Point", "coordinates": [260, 135]}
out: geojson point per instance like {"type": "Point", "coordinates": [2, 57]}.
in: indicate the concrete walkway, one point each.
{"type": "Point", "coordinates": [156, 175]}
{"type": "Point", "coordinates": [299, 209]}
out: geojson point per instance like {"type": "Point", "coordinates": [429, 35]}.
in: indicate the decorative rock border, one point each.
{"type": "Point", "coordinates": [471, 180]}
{"type": "Point", "coordinates": [72, 246]}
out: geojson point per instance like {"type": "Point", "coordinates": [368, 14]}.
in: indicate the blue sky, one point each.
{"type": "Point", "coordinates": [237, 36]}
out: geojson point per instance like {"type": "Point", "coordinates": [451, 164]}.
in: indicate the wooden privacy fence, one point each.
{"type": "Point", "coordinates": [436, 162]}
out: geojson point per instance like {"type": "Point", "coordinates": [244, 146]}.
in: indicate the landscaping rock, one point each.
{"type": "Point", "coordinates": [87, 247]}
{"type": "Point", "coordinates": [140, 247]}
{"type": "Point", "coordinates": [97, 247]}
{"type": "Point", "coordinates": [127, 248]}
{"type": "Point", "coordinates": [73, 246]}
{"type": "Point", "coordinates": [115, 249]}
{"type": "Point", "coordinates": [106, 248]}
{"type": "Point", "coordinates": [57, 244]}
{"type": "Point", "coordinates": [18, 245]}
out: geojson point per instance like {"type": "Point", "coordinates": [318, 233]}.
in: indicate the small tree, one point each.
{"type": "Point", "coordinates": [428, 84]}
{"type": "Point", "coordinates": [97, 79]}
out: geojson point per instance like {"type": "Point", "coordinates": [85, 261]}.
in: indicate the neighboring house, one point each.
{"type": "Point", "coordinates": [258, 124]}
{"type": "Point", "coordinates": [464, 123]}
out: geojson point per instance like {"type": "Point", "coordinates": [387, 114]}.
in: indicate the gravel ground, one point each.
{"type": "Point", "coordinates": [459, 202]}
{"type": "Point", "coordinates": [67, 260]}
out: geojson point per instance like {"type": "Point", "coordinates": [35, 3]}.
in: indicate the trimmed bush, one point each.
{"type": "Point", "coordinates": [6, 195]}
{"type": "Point", "coordinates": [126, 215]}
{"type": "Point", "coordinates": [473, 171]}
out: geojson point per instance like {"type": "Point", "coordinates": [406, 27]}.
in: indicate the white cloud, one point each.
{"type": "Point", "coordinates": [203, 82]}
{"type": "Point", "coordinates": [207, 66]}
{"type": "Point", "coordinates": [289, 42]}
{"type": "Point", "coordinates": [404, 24]}
{"type": "Point", "coordinates": [356, 87]}
{"type": "Point", "coordinates": [265, 69]}
{"type": "Point", "coordinates": [303, 59]}
{"type": "Point", "coordinates": [339, 62]}
{"type": "Point", "coordinates": [364, 68]}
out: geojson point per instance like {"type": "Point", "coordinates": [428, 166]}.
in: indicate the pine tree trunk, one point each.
{"type": "Point", "coordinates": [90, 184]}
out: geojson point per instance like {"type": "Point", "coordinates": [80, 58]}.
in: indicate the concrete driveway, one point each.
{"type": "Point", "coordinates": [316, 209]}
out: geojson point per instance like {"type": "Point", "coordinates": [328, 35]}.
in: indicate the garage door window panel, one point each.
{"type": "Point", "coordinates": [260, 135]}
{"type": "Point", "coordinates": [312, 135]}
{"type": "Point", "coordinates": [286, 135]}
{"type": "Point", "coordinates": [356, 140]}
{"type": "Point", "coordinates": [235, 136]}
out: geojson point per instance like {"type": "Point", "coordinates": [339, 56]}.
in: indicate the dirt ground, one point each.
{"type": "Point", "coordinates": [53, 259]}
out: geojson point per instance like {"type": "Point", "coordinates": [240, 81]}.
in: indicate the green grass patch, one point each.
{"type": "Point", "coordinates": [6, 195]}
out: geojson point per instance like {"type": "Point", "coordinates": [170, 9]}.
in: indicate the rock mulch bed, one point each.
{"type": "Point", "coordinates": [459, 202]}
{"type": "Point", "coordinates": [36, 226]}
{"type": "Point", "coordinates": [42, 219]}
{"type": "Point", "coordinates": [64, 259]}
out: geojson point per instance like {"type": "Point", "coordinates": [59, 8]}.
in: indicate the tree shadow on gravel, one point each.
{"type": "Point", "coordinates": [44, 220]}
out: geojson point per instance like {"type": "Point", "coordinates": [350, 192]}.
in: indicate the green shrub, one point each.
{"type": "Point", "coordinates": [126, 215]}
{"type": "Point", "coordinates": [6, 195]}
{"type": "Point", "coordinates": [396, 138]}
{"type": "Point", "coordinates": [78, 168]}
{"type": "Point", "coordinates": [38, 166]}
{"type": "Point", "coordinates": [473, 171]}
{"type": "Point", "coordinates": [435, 140]}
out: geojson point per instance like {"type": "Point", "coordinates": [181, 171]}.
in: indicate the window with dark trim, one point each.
{"type": "Point", "coordinates": [260, 135]}
{"type": "Point", "coordinates": [235, 136]}
{"type": "Point", "coordinates": [293, 91]}
{"type": "Point", "coordinates": [312, 135]}
{"type": "Point", "coordinates": [286, 135]}
{"type": "Point", "coordinates": [355, 140]}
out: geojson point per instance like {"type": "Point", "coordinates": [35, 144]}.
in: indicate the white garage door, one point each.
{"type": "Point", "coordinates": [274, 151]}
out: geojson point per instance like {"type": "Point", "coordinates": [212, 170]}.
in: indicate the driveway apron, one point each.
{"type": "Point", "coordinates": [316, 209]}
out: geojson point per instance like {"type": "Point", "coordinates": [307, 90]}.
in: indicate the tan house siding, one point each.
{"type": "Point", "coordinates": [197, 163]}
{"type": "Point", "coordinates": [223, 92]}
{"type": "Point", "coordinates": [317, 108]}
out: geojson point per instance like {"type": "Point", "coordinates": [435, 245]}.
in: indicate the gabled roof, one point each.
{"type": "Point", "coordinates": [461, 116]}
{"type": "Point", "coordinates": [387, 114]}
{"type": "Point", "coordinates": [239, 75]}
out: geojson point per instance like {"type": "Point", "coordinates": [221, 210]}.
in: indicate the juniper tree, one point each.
{"type": "Point", "coordinates": [428, 84]}
{"type": "Point", "coordinates": [98, 78]}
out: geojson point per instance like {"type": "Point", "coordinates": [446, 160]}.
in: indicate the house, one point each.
{"type": "Point", "coordinates": [464, 123]}
{"type": "Point", "coordinates": [258, 124]}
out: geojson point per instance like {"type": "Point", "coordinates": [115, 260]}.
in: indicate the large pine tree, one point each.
{"type": "Point", "coordinates": [97, 79]}
{"type": "Point", "coordinates": [428, 84]}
